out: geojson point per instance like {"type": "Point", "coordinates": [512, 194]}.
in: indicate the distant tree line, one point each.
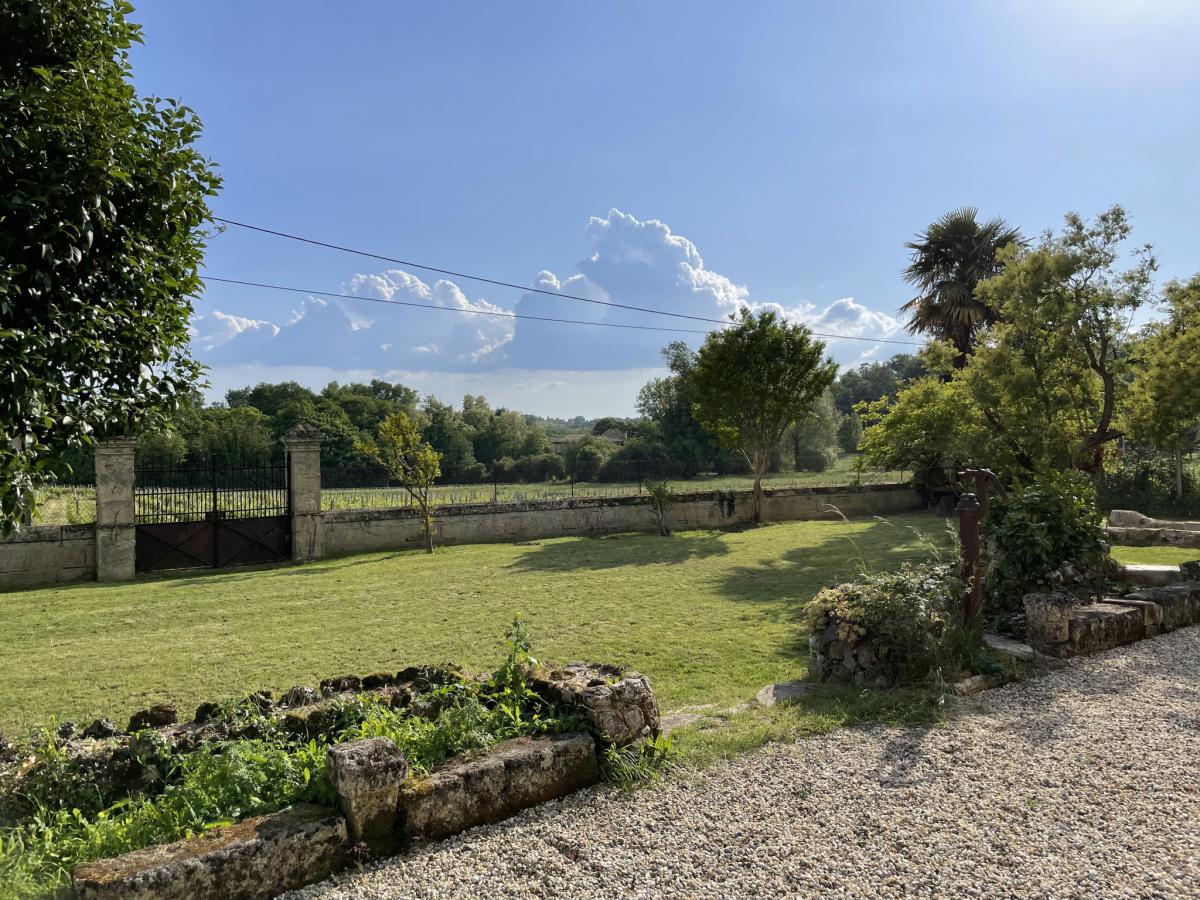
{"type": "Point", "coordinates": [478, 443]}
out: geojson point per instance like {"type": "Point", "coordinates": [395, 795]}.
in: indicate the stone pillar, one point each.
{"type": "Point", "coordinates": [1048, 622]}
{"type": "Point", "coordinates": [302, 442]}
{"type": "Point", "coordinates": [116, 537]}
{"type": "Point", "coordinates": [367, 776]}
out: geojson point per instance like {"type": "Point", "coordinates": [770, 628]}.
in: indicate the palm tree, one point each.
{"type": "Point", "coordinates": [949, 259]}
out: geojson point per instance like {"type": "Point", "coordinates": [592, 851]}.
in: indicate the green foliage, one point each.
{"type": "Point", "coordinates": [628, 767]}
{"type": "Point", "coordinates": [874, 380]}
{"type": "Point", "coordinates": [661, 497]}
{"type": "Point", "coordinates": [1044, 385]}
{"type": "Point", "coordinates": [912, 616]}
{"type": "Point", "coordinates": [754, 379]}
{"type": "Point", "coordinates": [930, 427]}
{"type": "Point", "coordinates": [532, 469]}
{"type": "Point", "coordinates": [639, 459]}
{"type": "Point", "coordinates": [814, 438]}
{"type": "Point", "coordinates": [103, 200]}
{"type": "Point", "coordinates": [399, 448]}
{"type": "Point", "coordinates": [245, 776]}
{"type": "Point", "coordinates": [1046, 536]}
{"type": "Point", "coordinates": [1165, 402]}
{"type": "Point", "coordinates": [1052, 376]}
{"type": "Point", "coordinates": [211, 786]}
{"type": "Point", "coordinates": [583, 459]}
{"type": "Point", "coordinates": [1154, 482]}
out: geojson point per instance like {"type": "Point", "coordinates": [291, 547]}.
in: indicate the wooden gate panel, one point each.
{"type": "Point", "coordinates": [251, 541]}
{"type": "Point", "coordinates": [174, 545]}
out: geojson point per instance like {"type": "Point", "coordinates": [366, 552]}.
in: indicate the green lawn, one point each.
{"type": "Point", "coordinates": [1155, 556]}
{"type": "Point", "coordinates": [709, 616]}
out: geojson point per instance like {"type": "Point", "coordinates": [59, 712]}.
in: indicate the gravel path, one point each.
{"type": "Point", "coordinates": [1081, 783]}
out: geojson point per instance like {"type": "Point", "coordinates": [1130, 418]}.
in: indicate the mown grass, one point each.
{"type": "Point", "coordinates": [710, 616]}
{"type": "Point", "coordinates": [1155, 556]}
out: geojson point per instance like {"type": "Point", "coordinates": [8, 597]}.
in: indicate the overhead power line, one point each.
{"type": "Point", "coordinates": [455, 309]}
{"type": "Point", "coordinates": [528, 289]}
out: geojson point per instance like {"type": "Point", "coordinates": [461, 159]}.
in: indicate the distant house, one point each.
{"type": "Point", "coordinates": [616, 436]}
{"type": "Point", "coordinates": [562, 441]}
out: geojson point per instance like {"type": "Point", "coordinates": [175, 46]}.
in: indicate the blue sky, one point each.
{"type": "Point", "coordinates": [688, 156]}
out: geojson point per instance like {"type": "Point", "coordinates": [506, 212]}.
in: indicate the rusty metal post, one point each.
{"type": "Point", "coordinates": [969, 515]}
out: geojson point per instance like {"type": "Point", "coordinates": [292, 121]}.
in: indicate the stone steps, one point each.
{"type": "Point", "coordinates": [1151, 576]}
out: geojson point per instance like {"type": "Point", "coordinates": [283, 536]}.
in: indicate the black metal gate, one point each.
{"type": "Point", "coordinates": [211, 517]}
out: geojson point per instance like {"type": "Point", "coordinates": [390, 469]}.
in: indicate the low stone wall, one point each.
{"type": "Point", "coordinates": [360, 531]}
{"type": "Point", "coordinates": [1131, 528]}
{"type": "Point", "coordinates": [1062, 626]}
{"type": "Point", "coordinates": [382, 805]}
{"type": "Point", "coordinates": [47, 554]}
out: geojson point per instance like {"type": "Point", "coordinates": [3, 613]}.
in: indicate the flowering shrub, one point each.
{"type": "Point", "coordinates": [908, 619]}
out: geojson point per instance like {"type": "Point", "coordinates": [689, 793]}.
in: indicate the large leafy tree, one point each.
{"type": "Point", "coordinates": [1044, 388]}
{"type": "Point", "coordinates": [103, 211]}
{"type": "Point", "coordinates": [1164, 408]}
{"type": "Point", "coordinates": [752, 380]}
{"type": "Point", "coordinates": [669, 404]}
{"type": "Point", "coordinates": [949, 260]}
{"type": "Point", "coordinates": [1050, 376]}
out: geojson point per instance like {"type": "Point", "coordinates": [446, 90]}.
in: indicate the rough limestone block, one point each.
{"type": "Point", "coordinates": [1102, 626]}
{"type": "Point", "coordinates": [1009, 647]}
{"type": "Point", "coordinates": [1151, 576]}
{"type": "Point", "coordinates": [1175, 536]}
{"type": "Point", "coordinates": [1190, 570]}
{"type": "Point", "coordinates": [155, 717]}
{"type": "Point", "coordinates": [487, 787]}
{"type": "Point", "coordinates": [1047, 622]}
{"type": "Point", "coordinates": [1152, 613]}
{"type": "Point", "coordinates": [620, 706]}
{"type": "Point", "coordinates": [1180, 603]}
{"type": "Point", "coordinates": [259, 857]}
{"type": "Point", "coordinates": [367, 776]}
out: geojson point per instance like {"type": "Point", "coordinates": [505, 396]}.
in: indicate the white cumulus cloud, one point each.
{"type": "Point", "coordinates": [629, 261]}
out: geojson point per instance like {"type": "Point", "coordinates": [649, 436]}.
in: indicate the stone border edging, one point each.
{"type": "Point", "coordinates": [1061, 626]}
{"type": "Point", "coordinates": [381, 807]}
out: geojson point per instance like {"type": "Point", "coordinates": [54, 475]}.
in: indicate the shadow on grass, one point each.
{"type": "Point", "coordinates": [617, 550]}
{"type": "Point", "coordinates": [792, 580]}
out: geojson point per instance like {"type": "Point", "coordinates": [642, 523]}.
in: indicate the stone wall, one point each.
{"type": "Point", "coordinates": [1125, 526]}
{"type": "Point", "coordinates": [47, 554]}
{"type": "Point", "coordinates": [360, 531]}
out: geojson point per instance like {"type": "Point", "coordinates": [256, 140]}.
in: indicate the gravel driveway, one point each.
{"type": "Point", "coordinates": [1082, 783]}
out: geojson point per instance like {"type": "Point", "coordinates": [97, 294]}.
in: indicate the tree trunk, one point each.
{"type": "Point", "coordinates": [760, 466]}
{"type": "Point", "coordinates": [1178, 473]}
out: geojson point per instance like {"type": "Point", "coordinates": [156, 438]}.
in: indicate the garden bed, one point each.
{"type": "Point", "coordinates": [241, 799]}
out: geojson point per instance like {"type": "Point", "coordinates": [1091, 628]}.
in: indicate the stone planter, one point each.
{"type": "Point", "coordinates": [860, 660]}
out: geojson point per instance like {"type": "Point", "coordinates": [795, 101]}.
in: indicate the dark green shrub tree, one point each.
{"type": "Point", "coordinates": [755, 378]}
{"type": "Point", "coordinates": [104, 204]}
{"type": "Point", "coordinates": [1046, 536]}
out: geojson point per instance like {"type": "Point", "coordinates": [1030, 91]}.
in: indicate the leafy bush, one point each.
{"type": "Point", "coordinates": [912, 617]}
{"type": "Point", "coordinates": [1047, 535]}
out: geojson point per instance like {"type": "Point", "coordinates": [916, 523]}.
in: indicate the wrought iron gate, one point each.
{"type": "Point", "coordinates": [211, 517]}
